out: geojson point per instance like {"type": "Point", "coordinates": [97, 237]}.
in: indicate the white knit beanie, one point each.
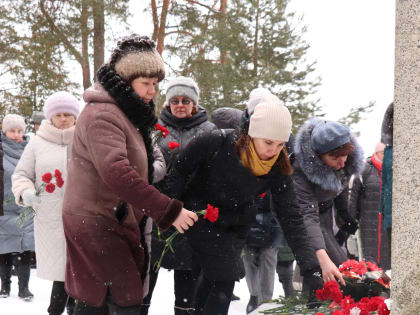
{"type": "Point", "coordinates": [270, 121]}
{"type": "Point", "coordinates": [257, 96]}
{"type": "Point", "coordinates": [61, 102]}
{"type": "Point", "coordinates": [13, 121]}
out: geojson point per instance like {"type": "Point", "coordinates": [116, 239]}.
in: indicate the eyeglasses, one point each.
{"type": "Point", "coordinates": [184, 101]}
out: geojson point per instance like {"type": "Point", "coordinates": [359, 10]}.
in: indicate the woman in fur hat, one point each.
{"type": "Point", "coordinates": [229, 170]}
{"type": "Point", "coordinates": [326, 155]}
{"type": "Point", "coordinates": [109, 193]}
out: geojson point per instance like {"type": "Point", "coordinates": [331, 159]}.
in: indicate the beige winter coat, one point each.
{"type": "Point", "coordinates": [47, 151]}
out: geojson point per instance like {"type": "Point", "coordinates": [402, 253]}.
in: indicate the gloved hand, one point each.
{"type": "Point", "coordinates": [341, 237]}
{"type": "Point", "coordinates": [29, 198]}
{"type": "Point", "coordinates": [312, 281]}
{"type": "Point", "coordinates": [350, 225]}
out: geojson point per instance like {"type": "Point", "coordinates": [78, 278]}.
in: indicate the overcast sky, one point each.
{"type": "Point", "coordinates": [353, 44]}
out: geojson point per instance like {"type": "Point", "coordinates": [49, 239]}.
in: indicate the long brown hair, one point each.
{"type": "Point", "coordinates": [343, 150]}
{"type": "Point", "coordinates": [283, 161]}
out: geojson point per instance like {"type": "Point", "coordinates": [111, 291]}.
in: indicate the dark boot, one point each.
{"type": "Point", "coordinates": [5, 275]}
{"type": "Point", "coordinates": [70, 306]}
{"type": "Point", "coordinates": [285, 273]}
{"type": "Point", "coordinates": [23, 271]}
{"type": "Point", "coordinates": [235, 298]}
{"type": "Point", "coordinates": [252, 304]}
{"type": "Point", "coordinates": [58, 298]}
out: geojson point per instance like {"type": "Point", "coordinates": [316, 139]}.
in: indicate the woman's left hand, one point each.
{"type": "Point", "coordinates": [329, 269]}
{"type": "Point", "coordinates": [184, 220]}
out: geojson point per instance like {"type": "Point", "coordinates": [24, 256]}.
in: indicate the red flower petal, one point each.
{"type": "Point", "coordinates": [57, 173]}
{"type": "Point", "coordinates": [173, 145]}
{"type": "Point", "coordinates": [59, 181]}
{"type": "Point", "coordinates": [212, 213]}
{"type": "Point", "coordinates": [50, 187]}
{"type": "Point", "coordinates": [46, 178]}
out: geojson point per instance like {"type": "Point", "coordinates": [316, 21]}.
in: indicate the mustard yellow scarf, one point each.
{"type": "Point", "coordinates": [257, 166]}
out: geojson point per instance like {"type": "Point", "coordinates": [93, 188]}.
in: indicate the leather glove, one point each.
{"type": "Point", "coordinates": [341, 237]}
{"type": "Point", "coordinates": [350, 225]}
{"type": "Point", "coordinates": [29, 198]}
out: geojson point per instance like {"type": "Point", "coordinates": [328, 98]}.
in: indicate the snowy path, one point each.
{"type": "Point", "coordinates": [162, 302]}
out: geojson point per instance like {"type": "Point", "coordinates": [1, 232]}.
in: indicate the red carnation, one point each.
{"type": "Point", "coordinates": [383, 309]}
{"type": "Point", "coordinates": [263, 194]}
{"type": "Point", "coordinates": [57, 174]}
{"type": "Point", "coordinates": [164, 132]}
{"type": "Point", "coordinates": [173, 145]}
{"type": "Point", "coordinates": [321, 295]}
{"type": "Point", "coordinates": [212, 213]}
{"type": "Point", "coordinates": [50, 187]}
{"type": "Point", "coordinates": [46, 178]}
{"type": "Point", "coordinates": [337, 312]}
{"type": "Point", "coordinates": [59, 181]}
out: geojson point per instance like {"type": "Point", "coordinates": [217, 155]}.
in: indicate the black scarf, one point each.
{"type": "Point", "coordinates": [141, 114]}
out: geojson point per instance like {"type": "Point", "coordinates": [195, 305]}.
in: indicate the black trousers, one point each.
{"type": "Point", "coordinates": [59, 299]}
{"type": "Point", "coordinates": [109, 307]}
{"type": "Point", "coordinates": [213, 297]}
{"type": "Point", "coordinates": [184, 283]}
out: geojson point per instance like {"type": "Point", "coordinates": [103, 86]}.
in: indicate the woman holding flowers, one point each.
{"type": "Point", "coordinates": [47, 151]}
{"type": "Point", "coordinates": [184, 120]}
{"type": "Point", "coordinates": [16, 242]}
{"type": "Point", "coordinates": [109, 193]}
{"type": "Point", "coordinates": [229, 170]}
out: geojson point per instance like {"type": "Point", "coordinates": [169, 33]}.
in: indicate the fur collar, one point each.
{"type": "Point", "coordinates": [312, 166]}
{"type": "Point", "coordinates": [50, 133]}
{"type": "Point", "coordinates": [141, 114]}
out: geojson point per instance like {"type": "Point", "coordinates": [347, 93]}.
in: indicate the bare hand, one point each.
{"type": "Point", "coordinates": [329, 269]}
{"type": "Point", "coordinates": [184, 220]}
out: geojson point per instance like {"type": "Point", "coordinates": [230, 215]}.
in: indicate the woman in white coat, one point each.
{"type": "Point", "coordinates": [47, 151]}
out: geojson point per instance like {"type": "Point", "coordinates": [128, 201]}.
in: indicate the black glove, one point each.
{"type": "Point", "coordinates": [341, 237]}
{"type": "Point", "coordinates": [312, 281]}
{"type": "Point", "coordinates": [350, 225]}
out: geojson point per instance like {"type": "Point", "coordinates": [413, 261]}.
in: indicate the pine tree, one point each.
{"type": "Point", "coordinates": [233, 47]}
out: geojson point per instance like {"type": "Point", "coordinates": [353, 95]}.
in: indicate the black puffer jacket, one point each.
{"type": "Point", "coordinates": [181, 131]}
{"type": "Point", "coordinates": [210, 171]}
{"type": "Point", "coordinates": [365, 200]}
{"type": "Point", "coordinates": [319, 188]}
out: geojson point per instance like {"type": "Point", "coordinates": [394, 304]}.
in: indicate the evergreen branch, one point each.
{"type": "Point", "coordinates": [204, 5]}
{"type": "Point", "coordinates": [60, 34]}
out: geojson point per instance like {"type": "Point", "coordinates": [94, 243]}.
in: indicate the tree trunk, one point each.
{"type": "Point", "coordinates": [85, 43]}
{"type": "Point", "coordinates": [98, 34]}
{"type": "Point", "coordinates": [257, 29]}
{"type": "Point", "coordinates": [82, 59]}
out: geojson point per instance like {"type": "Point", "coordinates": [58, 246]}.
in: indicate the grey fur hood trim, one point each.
{"type": "Point", "coordinates": [313, 167]}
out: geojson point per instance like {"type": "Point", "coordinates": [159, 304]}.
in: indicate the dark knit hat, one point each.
{"type": "Point", "coordinates": [136, 56]}
{"type": "Point", "coordinates": [329, 135]}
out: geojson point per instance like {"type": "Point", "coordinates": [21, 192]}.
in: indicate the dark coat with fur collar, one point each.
{"type": "Point", "coordinates": [107, 197]}
{"type": "Point", "coordinates": [319, 189]}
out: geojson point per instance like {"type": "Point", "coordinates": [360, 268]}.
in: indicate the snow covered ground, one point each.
{"type": "Point", "coordinates": [162, 302]}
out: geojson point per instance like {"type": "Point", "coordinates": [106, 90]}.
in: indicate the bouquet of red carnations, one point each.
{"type": "Point", "coordinates": [47, 185]}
